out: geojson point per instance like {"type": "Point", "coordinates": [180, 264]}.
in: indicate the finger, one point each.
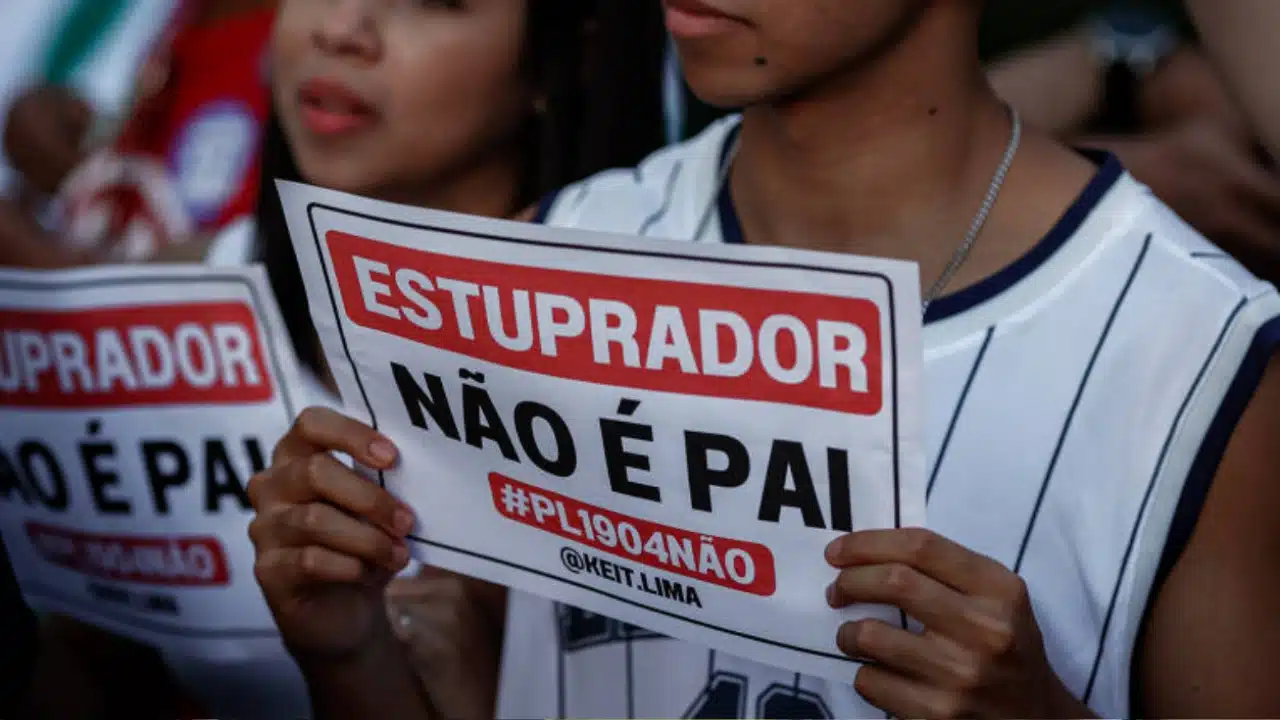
{"type": "Point", "coordinates": [286, 569]}
{"type": "Point", "coordinates": [928, 657]}
{"type": "Point", "coordinates": [325, 526]}
{"type": "Point", "coordinates": [328, 479]}
{"type": "Point", "coordinates": [905, 697]}
{"type": "Point", "coordinates": [926, 551]}
{"type": "Point", "coordinates": [263, 488]}
{"type": "Point", "coordinates": [941, 608]}
{"type": "Point", "coordinates": [320, 428]}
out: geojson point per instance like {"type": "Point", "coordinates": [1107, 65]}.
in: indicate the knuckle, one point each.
{"type": "Point", "coordinates": [999, 638]}
{"type": "Point", "coordinates": [900, 580]}
{"type": "Point", "coordinates": [311, 519]}
{"type": "Point", "coordinates": [312, 560]}
{"type": "Point", "coordinates": [967, 674]}
{"type": "Point", "coordinates": [257, 487]}
{"type": "Point", "coordinates": [921, 543]}
{"type": "Point", "coordinates": [313, 468]}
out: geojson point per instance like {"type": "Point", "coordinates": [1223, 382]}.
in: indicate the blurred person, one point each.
{"type": "Point", "coordinates": [1101, 417]}
{"type": "Point", "coordinates": [183, 165]}
{"type": "Point", "coordinates": [368, 98]}
{"type": "Point", "coordinates": [1128, 76]}
{"type": "Point", "coordinates": [1125, 80]}
{"type": "Point", "coordinates": [1240, 36]}
{"type": "Point", "coordinates": [91, 46]}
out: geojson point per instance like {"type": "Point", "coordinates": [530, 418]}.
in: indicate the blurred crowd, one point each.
{"type": "Point", "coordinates": [134, 125]}
{"type": "Point", "coordinates": [144, 130]}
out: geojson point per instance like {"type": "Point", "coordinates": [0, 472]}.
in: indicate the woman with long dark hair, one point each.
{"type": "Point", "coordinates": [498, 104]}
{"type": "Point", "coordinates": [474, 106]}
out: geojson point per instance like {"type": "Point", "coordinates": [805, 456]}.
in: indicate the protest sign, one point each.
{"type": "Point", "coordinates": [665, 433]}
{"type": "Point", "coordinates": [135, 403]}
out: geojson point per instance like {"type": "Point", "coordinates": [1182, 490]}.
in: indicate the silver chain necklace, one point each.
{"type": "Point", "coordinates": [971, 237]}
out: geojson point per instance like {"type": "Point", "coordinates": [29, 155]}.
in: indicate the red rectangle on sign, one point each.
{"type": "Point", "coordinates": [794, 348]}
{"type": "Point", "coordinates": [182, 561]}
{"type": "Point", "coordinates": [736, 564]}
{"type": "Point", "coordinates": [191, 353]}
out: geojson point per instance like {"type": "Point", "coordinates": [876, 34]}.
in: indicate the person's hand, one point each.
{"type": "Point", "coordinates": [451, 629]}
{"type": "Point", "coordinates": [1214, 182]}
{"type": "Point", "coordinates": [980, 654]}
{"type": "Point", "coordinates": [44, 136]}
{"type": "Point", "coordinates": [327, 541]}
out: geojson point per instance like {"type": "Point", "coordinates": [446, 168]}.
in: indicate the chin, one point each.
{"type": "Point", "coordinates": [726, 87]}
{"type": "Point", "coordinates": [335, 173]}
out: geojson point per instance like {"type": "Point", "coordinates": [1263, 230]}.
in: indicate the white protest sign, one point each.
{"type": "Point", "coordinates": [135, 402]}
{"type": "Point", "coordinates": [665, 433]}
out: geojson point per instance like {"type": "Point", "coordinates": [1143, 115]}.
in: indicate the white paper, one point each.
{"type": "Point", "coordinates": [690, 548]}
{"type": "Point", "coordinates": [157, 551]}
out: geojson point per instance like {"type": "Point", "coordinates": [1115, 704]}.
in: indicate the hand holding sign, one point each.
{"type": "Point", "coordinates": [327, 540]}
{"type": "Point", "coordinates": [981, 653]}
{"type": "Point", "coordinates": [638, 430]}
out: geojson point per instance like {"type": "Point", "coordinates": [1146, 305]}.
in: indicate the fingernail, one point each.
{"type": "Point", "coordinates": [382, 451]}
{"type": "Point", "coordinates": [831, 553]}
{"type": "Point", "coordinates": [400, 556]}
{"type": "Point", "coordinates": [831, 594]}
{"type": "Point", "coordinates": [403, 521]}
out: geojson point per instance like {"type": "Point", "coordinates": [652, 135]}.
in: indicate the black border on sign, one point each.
{"type": "Point", "coordinates": [355, 371]}
{"type": "Point", "coordinates": [266, 331]}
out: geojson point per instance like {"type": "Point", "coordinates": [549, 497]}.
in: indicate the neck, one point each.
{"type": "Point", "coordinates": [488, 186]}
{"type": "Point", "coordinates": [891, 158]}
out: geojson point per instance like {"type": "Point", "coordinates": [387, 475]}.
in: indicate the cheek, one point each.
{"type": "Point", "coordinates": [449, 114]}
{"type": "Point", "coordinates": [289, 46]}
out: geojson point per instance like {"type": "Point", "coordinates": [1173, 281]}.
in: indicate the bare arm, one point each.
{"type": "Point", "coordinates": [1209, 648]}
{"type": "Point", "coordinates": [379, 682]}
{"type": "Point", "coordinates": [1241, 37]}
{"type": "Point", "coordinates": [451, 628]}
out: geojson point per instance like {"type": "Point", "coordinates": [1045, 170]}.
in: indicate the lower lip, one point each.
{"type": "Point", "coordinates": [327, 122]}
{"type": "Point", "coordinates": [685, 24]}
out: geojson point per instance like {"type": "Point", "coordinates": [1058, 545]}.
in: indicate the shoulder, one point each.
{"type": "Point", "coordinates": [1179, 274]}
{"type": "Point", "coordinates": [659, 197]}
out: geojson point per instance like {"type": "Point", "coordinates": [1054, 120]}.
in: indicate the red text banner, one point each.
{"type": "Point", "coordinates": [178, 561]}
{"type": "Point", "coordinates": [774, 346]}
{"type": "Point", "coordinates": [735, 564]}
{"type": "Point", "coordinates": [171, 354]}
